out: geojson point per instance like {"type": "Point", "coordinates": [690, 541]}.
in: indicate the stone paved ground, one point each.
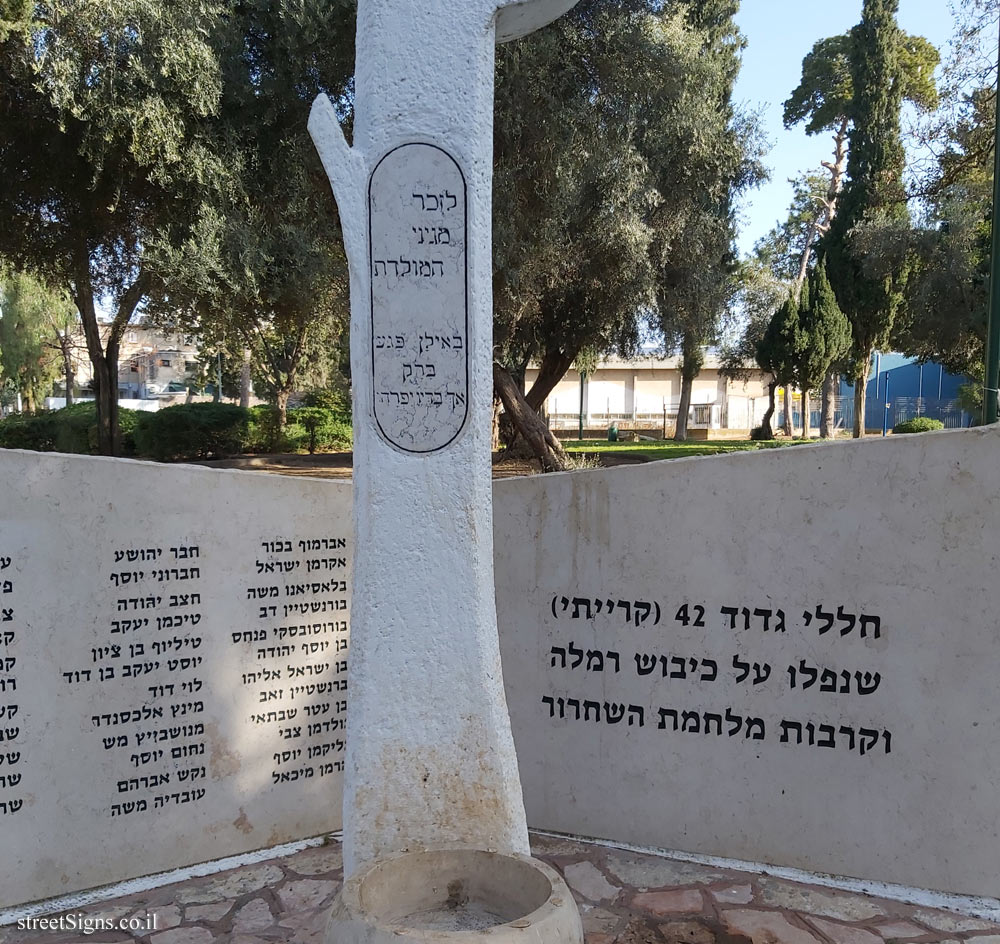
{"type": "Point", "coordinates": [624, 897]}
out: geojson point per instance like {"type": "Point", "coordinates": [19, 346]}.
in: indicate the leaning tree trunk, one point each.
{"type": "Point", "coordinates": [543, 444]}
{"type": "Point", "coordinates": [787, 424]}
{"type": "Point", "coordinates": [826, 429]}
{"type": "Point", "coordinates": [765, 424]}
{"type": "Point", "coordinates": [551, 369]}
{"type": "Point", "coordinates": [805, 414]}
{"type": "Point", "coordinates": [683, 408]}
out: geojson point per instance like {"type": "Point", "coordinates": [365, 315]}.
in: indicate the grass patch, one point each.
{"type": "Point", "coordinates": [670, 449]}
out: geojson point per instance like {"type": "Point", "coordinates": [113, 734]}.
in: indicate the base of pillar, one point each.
{"type": "Point", "coordinates": [452, 896]}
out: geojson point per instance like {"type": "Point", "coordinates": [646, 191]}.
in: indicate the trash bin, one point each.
{"type": "Point", "coordinates": [612, 433]}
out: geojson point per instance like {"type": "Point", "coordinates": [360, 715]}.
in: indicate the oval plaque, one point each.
{"type": "Point", "coordinates": [420, 316]}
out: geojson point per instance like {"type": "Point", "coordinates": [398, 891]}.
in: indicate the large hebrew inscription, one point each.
{"type": "Point", "coordinates": [420, 336]}
{"type": "Point", "coordinates": [173, 667]}
{"type": "Point", "coordinates": [806, 678]}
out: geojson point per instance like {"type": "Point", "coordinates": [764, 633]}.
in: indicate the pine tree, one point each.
{"type": "Point", "coordinates": [874, 191]}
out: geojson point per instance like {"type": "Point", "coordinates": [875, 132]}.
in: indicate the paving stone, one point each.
{"type": "Point", "coordinates": [228, 885]}
{"type": "Point", "coordinates": [637, 932]}
{"type": "Point", "coordinates": [253, 916]}
{"type": "Point", "coordinates": [899, 930]}
{"type": "Point", "coordinates": [734, 895]}
{"type": "Point", "coordinates": [317, 861]}
{"type": "Point", "coordinates": [186, 935]}
{"type": "Point", "coordinates": [589, 881]}
{"type": "Point", "coordinates": [951, 922]}
{"type": "Point", "coordinates": [830, 904]}
{"type": "Point", "coordinates": [305, 894]}
{"type": "Point", "coordinates": [671, 901]}
{"type": "Point", "coordinates": [766, 927]}
{"type": "Point", "coordinates": [646, 871]}
{"type": "Point", "coordinates": [213, 912]}
{"type": "Point", "coordinates": [164, 918]}
{"type": "Point", "coordinates": [984, 939]}
{"type": "Point", "coordinates": [597, 920]}
{"type": "Point", "coordinates": [843, 933]}
{"type": "Point", "coordinates": [687, 932]}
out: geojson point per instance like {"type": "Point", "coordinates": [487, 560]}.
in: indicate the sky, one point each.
{"type": "Point", "coordinates": [779, 34]}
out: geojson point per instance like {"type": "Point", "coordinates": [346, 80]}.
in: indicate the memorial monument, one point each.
{"type": "Point", "coordinates": [430, 759]}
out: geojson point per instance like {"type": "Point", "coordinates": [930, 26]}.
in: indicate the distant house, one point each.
{"type": "Point", "coordinates": [645, 394]}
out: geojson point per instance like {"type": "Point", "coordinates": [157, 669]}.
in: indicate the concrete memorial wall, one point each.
{"type": "Point", "coordinates": [173, 646]}
{"type": "Point", "coordinates": [783, 656]}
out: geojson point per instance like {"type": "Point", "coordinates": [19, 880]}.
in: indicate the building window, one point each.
{"type": "Point", "coordinates": [132, 337]}
{"type": "Point", "coordinates": [164, 363]}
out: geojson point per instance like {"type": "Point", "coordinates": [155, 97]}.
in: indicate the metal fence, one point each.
{"type": "Point", "coordinates": [898, 410]}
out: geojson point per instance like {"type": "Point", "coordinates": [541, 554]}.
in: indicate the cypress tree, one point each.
{"type": "Point", "coordinates": [874, 191]}
{"type": "Point", "coordinates": [824, 336]}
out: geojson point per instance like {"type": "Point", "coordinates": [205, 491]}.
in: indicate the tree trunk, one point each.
{"type": "Point", "coordinates": [245, 380]}
{"type": "Point", "coordinates": [282, 409]}
{"type": "Point", "coordinates": [805, 414]}
{"type": "Point", "coordinates": [826, 429]}
{"type": "Point", "coordinates": [543, 444]}
{"type": "Point", "coordinates": [681, 432]}
{"type": "Point", "coordinates": [787, 424]}
{"type": "Point", "coordinates": [551, 370]}
{"type": "Point", "coordinates": [765, 423]}
{"type": "Point", "coordinates": [495, 424]}
{"type": "Point", "coordinates": [859, 403]}
{"type": "Point", "coordinates": [111, 358]}
{"type": "Point", "coordinates": [64, 342]}
{"type": "Point", "coordinates": [29, 399]}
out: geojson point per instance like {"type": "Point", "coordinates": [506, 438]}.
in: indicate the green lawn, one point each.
{"type": "Point", "coordinates": [670, 449]}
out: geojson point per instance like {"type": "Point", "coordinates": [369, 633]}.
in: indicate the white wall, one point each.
{"type": "Point", "coordinates": [902, 529]}
{"type": "Point", "coordinates": [805, 547]}
{"type": "Point", "coordinates": [172, 666]}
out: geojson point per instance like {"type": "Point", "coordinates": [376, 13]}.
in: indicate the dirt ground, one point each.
{"type": "Point", "coordinates": [339, 465]}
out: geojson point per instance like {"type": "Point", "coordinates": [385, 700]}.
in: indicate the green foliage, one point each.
{"type": "Point", "coordinates": [30, 316]}
{"type": "Point", "coordinates": [323, 429]}
{"type": "Point", "coordinates": [825, 95]}
{"type": "Point", "coordinates": [617, 152]}
{"type": "Point", "coordinates": [874, 192]}
{"type": "Point", "coordinates": [263, 267]}
{"type": "Point", "coordinates": [777, 351]}
{"type": "Point", "coordinates": [192, 431]}
{"type": "Point", "coordinates": [72, 429]}
{"type": "Point", "coordinates": [336, 400]}
{"type": "Point", "coordinates": [920, 424]}
{"type": "Point", "coordinates": [824, 332]}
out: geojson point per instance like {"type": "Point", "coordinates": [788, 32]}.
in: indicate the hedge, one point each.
{"type": "Point", "coordinates": [185, 431]}
{"type": "Point", "coordinates": [920, 424]}
{"type": "Point", "coordinates": [192, 431]}
{"type": "Point", "coordinates": [71, 429]}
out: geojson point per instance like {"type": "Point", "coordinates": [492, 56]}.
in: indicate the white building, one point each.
{"type": "Point", "coordinates": [646, 392]}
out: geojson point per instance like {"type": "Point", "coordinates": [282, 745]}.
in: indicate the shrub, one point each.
{"type": "Point", "coordinates": [332, 400]}
{"type": "Point", "coordinates": [192, 431]}
{"type": "Point", "coordinates": [757, 434]}
{"type": "Point", "coordinates": [71, 429]}
{"type": "Point", "coordinates": [920, 424]}
{"type": "Point", "coordinates": [321, 428]}
{"type": "Point", "coordinates": [263, 434]}
{"type": "Point", "coordinates": [76, 429]}
{"type": "Point", "coordinates": [21, 431]}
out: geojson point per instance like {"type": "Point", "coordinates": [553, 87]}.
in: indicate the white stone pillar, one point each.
{"type": "Point", "coordinates": [430, 759]}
